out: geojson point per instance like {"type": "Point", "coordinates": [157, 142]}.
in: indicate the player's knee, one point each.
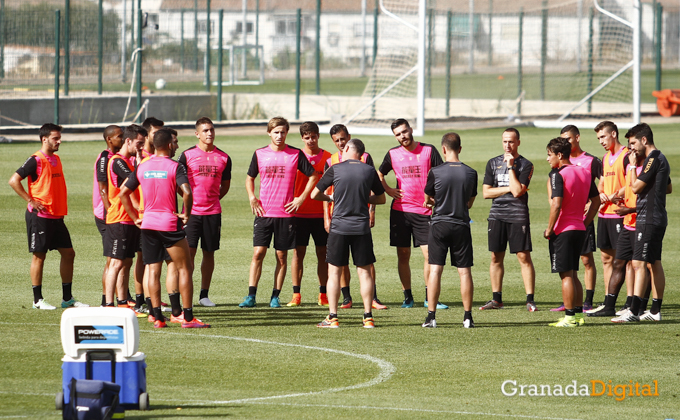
{"type": "Point", "coordinates": [68, 254]}
{"type": "Point", "coordinates": [403, 254]}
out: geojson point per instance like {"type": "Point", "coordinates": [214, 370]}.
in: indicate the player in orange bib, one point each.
{"type": "Point", "coordinates": [610, 222]}
{"type": "Point", "coordinates": [47, 206]}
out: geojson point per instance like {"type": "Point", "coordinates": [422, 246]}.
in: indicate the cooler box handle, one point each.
{"type": "Point", "coordinates": [91, 355]}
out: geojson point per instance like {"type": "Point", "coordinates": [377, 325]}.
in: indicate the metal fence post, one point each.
{"type": "Point", "coordinates": [181, 42]}
{"type": "Point", "coordinates": [195, 35]}
{"type": "Point", "coordinates": [430, 41]}
{"type": "Point", "coordinates": [57, 34]}
{"type": "Point", "coordinates": [490, 47]}
{"type": "Point", "coordinates": [100, 45]}
{"type": "Point", "coordinates": [659, 26]}
{"type": "Point", "coordinates": [67, 44]}
{"type": "Point", "coordinates": [544, 45]}
{"type": "Point", "coordinates": [519, 61]}
{"type": "Point", "coordinates": [318, 47]}
{"type": "Point", "coordinates": [298, 29]}
{"type": "Point", "coordinates": [139, 59]}
{"type": "Point", "coordinates": [219, 66]}
{"type": "Point", "coordinates": [589, 76]}
{"type": "Point", "coordinates": [2, 39]}
{"type": "Point", "coordinates": [449, 18]}
{"type": "Point", "coordinates": [375, 31]}
{"type": "Point", "coordinates": [207, 47]}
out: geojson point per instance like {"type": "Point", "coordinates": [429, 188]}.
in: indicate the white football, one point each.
{"type": "Point", "coordinates": [160, 84]}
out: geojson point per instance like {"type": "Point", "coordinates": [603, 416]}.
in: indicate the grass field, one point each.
{"type": "Point", "coordinates": [274, 363]}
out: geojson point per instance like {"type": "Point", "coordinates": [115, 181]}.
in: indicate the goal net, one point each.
{"type": "Point", "coordinates": [395, 87]}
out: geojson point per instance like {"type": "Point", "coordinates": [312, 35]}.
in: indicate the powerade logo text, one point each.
{"type": "Point", "coordinates": [155, 174]}
{"type": "Point", "coordinates": [99, 334]}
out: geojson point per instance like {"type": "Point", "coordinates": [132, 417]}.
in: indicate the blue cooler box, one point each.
{"type": "Point", "coordinates": [87, 334]}
{"type": "Point", "coordinates": [130, 375]}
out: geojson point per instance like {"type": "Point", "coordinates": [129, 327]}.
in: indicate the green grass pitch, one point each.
{"type": "Point", "coordinates": [274, 363]}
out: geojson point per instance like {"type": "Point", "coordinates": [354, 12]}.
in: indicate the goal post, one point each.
{"type": "Point", "coordinates": [396, 85]}
{"type": "Point", "coordinates": [633, 22]}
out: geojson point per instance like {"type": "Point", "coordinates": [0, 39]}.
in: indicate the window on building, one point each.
{"type": "Point", "coordinates": [249, 27]}
{"type": "Point", "coordinates": [202, 27]}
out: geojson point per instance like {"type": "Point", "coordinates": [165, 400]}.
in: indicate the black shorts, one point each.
{"type": "Point", "coordinates": [648, 242]}
{"type": "Point", "coordinates": [154, 243]}
{"type": "Point", "coordinates": [304, 227]}
{"type": "Point", "coordinates": [101, 227]}
{"type": "Point", "coordinates": [625, 245]}
{"type": "Point", "coordinates": [565, 250]}
{"type": "Point", "coordinates": [206, 228]}
{"type": "Point", "coordinates": [46, 234]}
{"type": "Point", "coordinates": [283, 229]}
{"type": "Point", "coordinates": [404, 226]}
{"type": "Point", "coordinates": [589, 243]}
{"type": "Point", "coordinates": [608, 231]}
{"type": "Point", "coordinates": [339, 246]}
{"type": "Point", "coordinates": [517, 234]}
{"type": "Point", "coordinates": [444, 236]}
{"type": "Point", "coordinates": [123, 240]}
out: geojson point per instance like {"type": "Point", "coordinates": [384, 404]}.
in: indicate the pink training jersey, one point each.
{"type": "Point", "coordinates": [574, 184]}
{"type": "Point", "coordinates": [157, 178]}
{"type": "Point", "coordinates": [277, 170]}
{"type": "Point", "coordinates": [100, 168]}
{"type": "Point", "coordinates": [206, 171]}
{"type": "Point", "coordinates": [411, 169]}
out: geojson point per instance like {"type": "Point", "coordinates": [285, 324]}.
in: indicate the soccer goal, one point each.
{"type": "Point", "coordinates": [608, 62]}
{"type": "Point", "coordinates": [396, 85]}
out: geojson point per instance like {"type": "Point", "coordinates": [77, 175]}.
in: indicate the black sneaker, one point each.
{"type": "Point", "coordinates": [602, 312]}
{"type": "Point", "coordinates": [430, 323]}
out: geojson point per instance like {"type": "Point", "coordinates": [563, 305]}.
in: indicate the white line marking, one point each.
{"type": "Point", "coordinates": [386, 372]}
{"type": "Point", "coordinates": [387, 369]}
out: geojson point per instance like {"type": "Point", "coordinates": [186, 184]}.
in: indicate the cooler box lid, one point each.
{"type": "Point", "coordinates": [99, 328]}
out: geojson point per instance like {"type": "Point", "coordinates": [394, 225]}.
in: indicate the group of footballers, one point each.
{"type": "Point", "coordinates": [332, 197]}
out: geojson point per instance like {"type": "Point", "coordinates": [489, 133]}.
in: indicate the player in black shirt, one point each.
{"type": "Point", "coordinates": [450, 191]}
{"type": "Point", "coordinates": [352, 182]}
{"type": "Point", "coordinates": [652, 219]}
{"type": "Point", "coordinates": [506, 181]}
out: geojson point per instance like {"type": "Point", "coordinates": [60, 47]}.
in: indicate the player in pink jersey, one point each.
{"type": "Point", "coordinates": [151, 125]}
{"type": "Point", "coordinates": [113, 136]}
{"type": "Point", "coordinates": [594, 166]}
{"type": "Point", "coordinates": [409, 219]}
{"type": "Point", "coordinates": [309, 219]}
{"type": "Point", "coordinates": [277, 165]}
{"type": "Point", "coordinates": [570, 188]}
{"type": "Point", "coordinates": [161, 179]}
{"type": "Point", "coordinates": [209, 171]}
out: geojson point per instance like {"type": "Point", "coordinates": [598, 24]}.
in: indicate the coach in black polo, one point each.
{"type": "Point", "coordinates": [450, 190]}
{"type": "Point", "coordinates": [352, 182]}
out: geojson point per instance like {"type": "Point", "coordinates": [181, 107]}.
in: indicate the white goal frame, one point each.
{"type": "Point", "coordinates": [419, 68]}
{"type": "Point", "coordinates": [634, 63]}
